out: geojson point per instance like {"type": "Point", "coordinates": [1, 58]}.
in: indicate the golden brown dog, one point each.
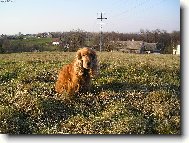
{"type": "Point", "coordinates": [76, 77]}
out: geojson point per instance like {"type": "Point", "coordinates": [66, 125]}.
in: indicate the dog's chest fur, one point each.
{"type": "Point", "coordinates": [84, 81]}
{"type": "Point", "coordinates": [85, 76]}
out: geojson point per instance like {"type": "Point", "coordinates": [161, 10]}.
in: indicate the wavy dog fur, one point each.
{"type": "Point", "coordinates": [76, 77]}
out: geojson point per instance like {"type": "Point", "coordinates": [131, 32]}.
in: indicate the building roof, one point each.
{"type": "Point", "coordinates": [135, 45]}
{"type": "Point", "coordinates": [56, 40]}
{"type": "Point", "coordinates": [131, 45]}
{"type": "Point", "coordinates": [149, 46]}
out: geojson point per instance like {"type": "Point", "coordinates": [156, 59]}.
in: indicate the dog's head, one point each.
{"type": "Point", "coordinates": [88, 60]}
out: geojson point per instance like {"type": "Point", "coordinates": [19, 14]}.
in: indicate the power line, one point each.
{"type": "Point", "coordinates": [132, 8]}
{"type": "Point", "coordinates": [139, 4]}
{"type": "Point", "coordinates": [146, 7]}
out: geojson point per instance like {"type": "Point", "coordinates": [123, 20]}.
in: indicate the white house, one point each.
{"type": "Point", "coordinates": [55, 43]}
{"type": "Point", "coordinates": [176, 51]}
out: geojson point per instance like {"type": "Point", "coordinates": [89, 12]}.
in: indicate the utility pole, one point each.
{"type": "Point", "coordinates": [101, 18]}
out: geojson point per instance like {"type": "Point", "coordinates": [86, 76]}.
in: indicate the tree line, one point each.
{"type": "Point", "coordinates": [72, 40]}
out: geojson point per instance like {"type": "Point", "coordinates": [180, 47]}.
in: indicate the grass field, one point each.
{"type": "Point", "coordinates": [133, 94]}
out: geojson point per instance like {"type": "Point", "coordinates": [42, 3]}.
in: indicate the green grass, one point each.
{"type": "Point", "coordinates": [133, 94]}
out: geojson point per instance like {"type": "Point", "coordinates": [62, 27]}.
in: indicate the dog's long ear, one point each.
{"type": "Point", "coordinates": [95, 68]}
{"type": "Point", "coordinates": [78, 55]}
{"type": "Point", "coordinates": [78, 65]}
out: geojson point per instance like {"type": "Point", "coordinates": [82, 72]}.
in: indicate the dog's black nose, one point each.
{"type": "Point", "coordinates": [89, 63]}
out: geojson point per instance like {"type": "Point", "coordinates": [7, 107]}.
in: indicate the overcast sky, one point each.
{"type": "Point", "coordinates": [34, 16]}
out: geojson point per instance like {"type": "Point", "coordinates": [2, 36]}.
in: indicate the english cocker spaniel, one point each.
{"type": "Point", "coordinates": [76, 77]}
